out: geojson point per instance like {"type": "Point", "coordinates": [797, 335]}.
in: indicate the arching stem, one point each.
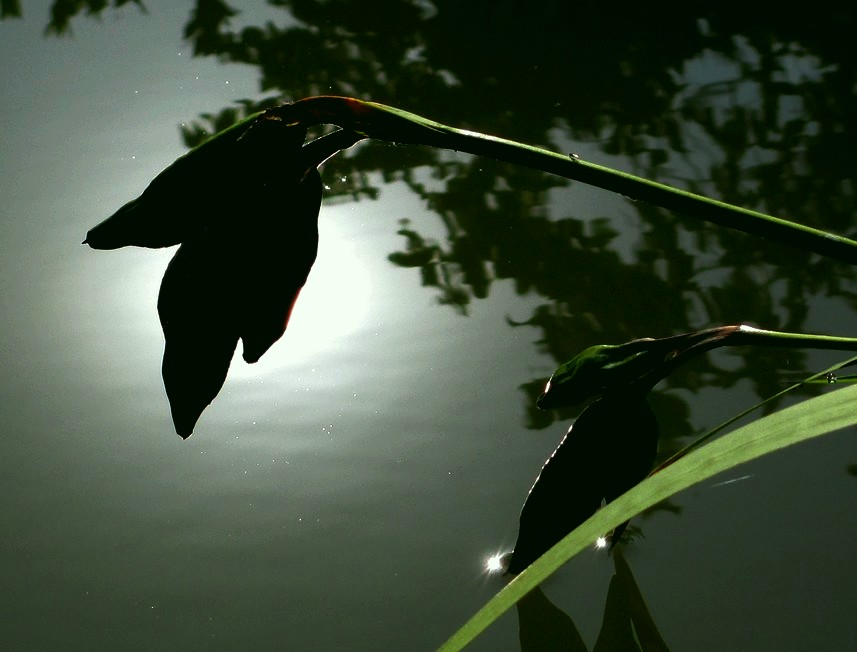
{"type": "Point", "coordinates": [387, 123]}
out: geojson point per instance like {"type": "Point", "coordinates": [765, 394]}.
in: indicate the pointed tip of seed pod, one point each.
{"type": "Point", "coordinates": [184, 422]}
{"type": "Point", "coordinates": [185, 418]}
{"type": "Point", "coordinates": [250, 358]}
{"type": "Point", "coordinates": [254, 350]}
{"type": "Point", "coordinates": [148, 221]}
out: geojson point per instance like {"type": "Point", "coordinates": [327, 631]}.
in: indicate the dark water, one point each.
{"type": "Point", "coordinates": [344, 492]}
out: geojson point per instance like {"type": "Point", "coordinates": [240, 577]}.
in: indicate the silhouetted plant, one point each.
{"type": "Point", "coordinates": [247, 163]}
{"type": "Point", "coordinates": [775, 158]}
{"type": "Point", "coordinates": [613, 443]}
{"type": "Point", "coordinates": [769, 126]}
{"type": "Point", "coordinates": [248, 236]}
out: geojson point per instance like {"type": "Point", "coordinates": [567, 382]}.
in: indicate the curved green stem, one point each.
{"type": "Point", "coordinates": [743, 335]}
{"type": "Point", "coordinates": [697, 342]}
{"type": "Point", "coordinates": [749, 335]}
{"type": "Point", "coordinates": [635, 367]}
{"type": "Point", "coordinates": [383, 122]}
{"type": "Point", "coordinates": [683, 347]}
{"type": "Point", "coordinates": [711, 433]}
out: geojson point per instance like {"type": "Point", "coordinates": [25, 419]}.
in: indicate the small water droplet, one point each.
{"type": "Point", "coordinates": [831, 377]}
{"type": "Point", "coordinates": [574, 157]}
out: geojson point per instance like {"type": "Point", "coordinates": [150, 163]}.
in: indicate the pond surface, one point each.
{"type": "Point", "coordinates": [345, 491]}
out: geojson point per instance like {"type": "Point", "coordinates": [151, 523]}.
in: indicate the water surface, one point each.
{"type": "Point", "coordinates": [344, 492]}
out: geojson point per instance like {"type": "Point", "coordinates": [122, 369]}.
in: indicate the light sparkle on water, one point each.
{"type": "Point", "coordinates": [494, 564]}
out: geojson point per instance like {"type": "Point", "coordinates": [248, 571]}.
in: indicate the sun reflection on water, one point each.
{"type": "Point", "coordinates": [497, 563]}
{"type": "Point", "coordinates": [335, 302]}
{"type": "Point", "coordinates": [494, 564]}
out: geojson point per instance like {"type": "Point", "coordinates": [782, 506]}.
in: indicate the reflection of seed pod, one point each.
{"type": "Point", "coordinates": [186, 196]}
{"type": "Point", "coordinates": [199, 331]}
{"type": "Point", "coordinates": [276, 262]}
{"type": "Point", "coordinates": [544, 626]}
{"type": "Point", "coordinates": [609, 448]}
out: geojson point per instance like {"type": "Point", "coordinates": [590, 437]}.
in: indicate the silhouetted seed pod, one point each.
{"type": "Point", "coordinates": [277, 261]}
{"type": "Point", "coordinates": [239, 278]}
{"type": "Point", "coordinates": [197, 315]}
{"type": "Point", "coordinates": [609, 448]}
{"type": "Point", "coordinates": [185, 197]}
{"type": "Point", "coordinates": [634, 366]}
{"type": "Point", "coordinates": [244, 205]}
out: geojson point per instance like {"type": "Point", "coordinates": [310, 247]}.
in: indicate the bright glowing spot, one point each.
{"type": "Point", "coordinates": [334, 304]}
{"type": "Point", "coordinates": [494, 563]}
{"type": "Point", "coordinates": [336, 301]}
{"type": "Point", "coordinates": [601, 543]}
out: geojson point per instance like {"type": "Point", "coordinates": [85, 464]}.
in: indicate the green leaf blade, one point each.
{"type": "Point", "coordinates": [811, 418]}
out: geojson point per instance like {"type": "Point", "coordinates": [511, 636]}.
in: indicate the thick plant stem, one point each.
{"type": "Point", "coordinates": [387, 123]}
